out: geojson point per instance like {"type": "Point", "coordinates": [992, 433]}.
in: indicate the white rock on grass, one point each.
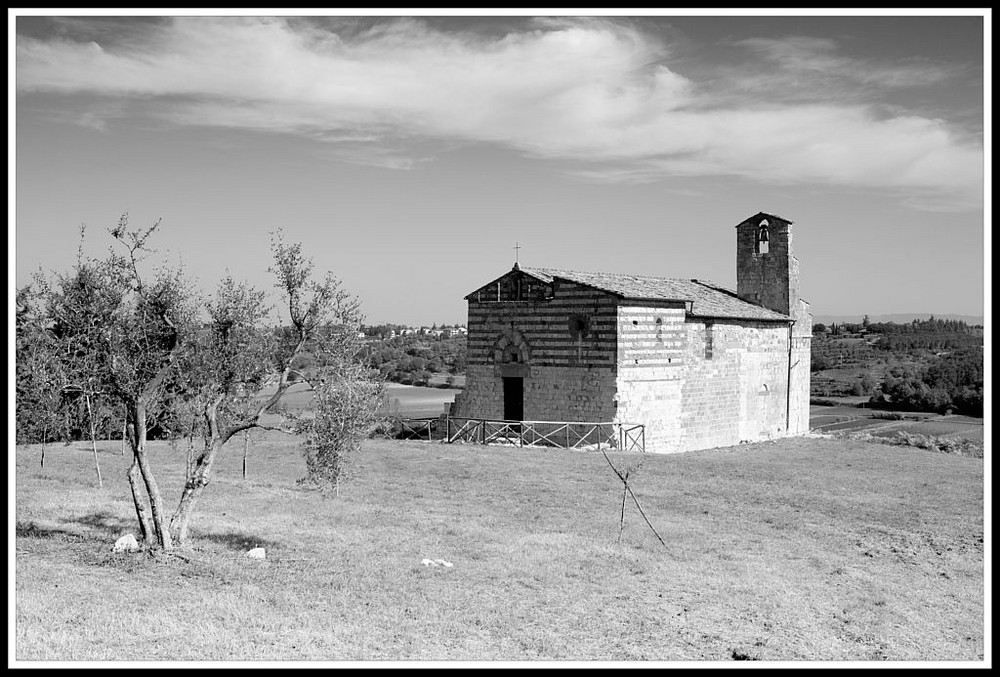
{"type": "Point", "coordinates": [436, 563]}
{"type": "Point", "coordinates": [256, 553]}
{"type": "Point", "coordinates": [126, 543]}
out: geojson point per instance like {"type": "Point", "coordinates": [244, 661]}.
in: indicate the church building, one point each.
{"type": "Point", "coordinates": [697, 364]}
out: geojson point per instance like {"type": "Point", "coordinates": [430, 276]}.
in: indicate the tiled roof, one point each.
{"type": "Point", "coordinates": [707, 298]}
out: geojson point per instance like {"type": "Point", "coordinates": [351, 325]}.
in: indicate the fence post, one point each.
{"type": "Point", "coordinates": [246, 450]}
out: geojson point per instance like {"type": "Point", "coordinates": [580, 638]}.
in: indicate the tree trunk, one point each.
{"type": "Point", "coordinates": [45, 435]}
{"type": "Point", "coordinates": [152, 490]}
{"type": "Point", "coordinates": [198, 479]}
{"type": "Point", "coordinates": [93, 442]}
{"type": "Point", "coordinates": [195, 485]}
{"type": "Point", "coordinates": [189, 461]}
{"type": "Point", "coordinates": [124, 435]}
{"type": "Point", "coordinates": [145, 523]}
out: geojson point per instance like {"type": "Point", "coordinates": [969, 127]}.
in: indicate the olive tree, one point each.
{"type": "Point", "coordinates": [39, 377]}
{"type": "Point", "coordinates": [198, 364]}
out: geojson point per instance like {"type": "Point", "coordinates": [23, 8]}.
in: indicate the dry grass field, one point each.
{"type": "Point", "coordinates": [804, 549]}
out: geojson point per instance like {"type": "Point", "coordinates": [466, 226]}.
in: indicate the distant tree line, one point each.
{"type": "Point", "coordinates": [390, 330]}
{"type": "Point", "coordinates": [927, 365]}
{"type": "Point", "coordinates": [415, 360]}
{"type": "Point", "coordinates": [383, 331]}
{"type": "Point", "coordinates": [828, 355]}
{"type": "Point", "coordinates": [950, 382]}
{"type": "Point", "coordinates": [932, 334]}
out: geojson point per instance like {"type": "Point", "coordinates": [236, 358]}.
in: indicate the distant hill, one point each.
{"type": "Point", "coordinates": [898, 318]}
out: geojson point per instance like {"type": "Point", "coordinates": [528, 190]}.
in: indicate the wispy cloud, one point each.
{"type": "Point", "coordinates": [591, 91]}
{"type": "Point", "coordinates": [821, 57]}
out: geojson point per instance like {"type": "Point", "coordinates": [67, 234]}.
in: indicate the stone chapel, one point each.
{"type": "Point", "coordinates": [697, 364]}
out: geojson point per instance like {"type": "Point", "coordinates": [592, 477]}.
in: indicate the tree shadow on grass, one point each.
{"type": "Point", "coordinates": [234, 540]}
{"type": "Point", "coordinates": [107, 524]}
{"type": "Point", "coordinates": [28, 529]}
{"type": "Point", "coordinates": [106, 527]}
{"type": "Point", "coordinates": [99, 526]}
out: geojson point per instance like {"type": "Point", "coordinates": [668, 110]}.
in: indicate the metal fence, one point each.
{"type": "Point", "coordinates": [561, 434]}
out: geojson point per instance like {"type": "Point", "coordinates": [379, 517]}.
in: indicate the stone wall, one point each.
{"type": "Point", "coordinates": [698, 383]}
{"type": "Point", "coordinates": [650, 374]}
{"type": "Point", "coordinates": [801, 369]}
{"type": "Point", "coordinates": [550, 394]}
{"type": "Point", "coordinates": [801, 386]}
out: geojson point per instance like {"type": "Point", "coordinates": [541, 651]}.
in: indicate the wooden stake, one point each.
{"type": "Point", "coordinates": [621, 524]}
{"type": "Point", "coordinates": [624, 479]}
{"type": "Point", "coordinates": [93, 442]}
{"type": "Point", "coordinates": [246, 450]}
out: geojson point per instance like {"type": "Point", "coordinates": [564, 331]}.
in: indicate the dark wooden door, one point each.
{"type": "Point", "coordinates": [513, 398]}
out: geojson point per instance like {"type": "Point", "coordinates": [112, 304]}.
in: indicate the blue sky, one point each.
{"type": "Point", "coordinates": [409, 154]}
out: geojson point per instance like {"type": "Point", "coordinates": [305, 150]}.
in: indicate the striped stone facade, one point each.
{"type": "Point", "coordinates": [566, 347]}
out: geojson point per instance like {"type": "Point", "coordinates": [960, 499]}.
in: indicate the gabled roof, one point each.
{"type": "Point", "coordinates": [707, 299]}
{"type": "Point", "coordinates": [772, 218]}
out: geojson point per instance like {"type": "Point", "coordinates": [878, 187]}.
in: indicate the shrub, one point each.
{"type": "Point", "coordinates": [346, 413]}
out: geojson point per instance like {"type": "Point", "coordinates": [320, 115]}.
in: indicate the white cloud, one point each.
{"type": "Point", "coordinates": [588, 90]}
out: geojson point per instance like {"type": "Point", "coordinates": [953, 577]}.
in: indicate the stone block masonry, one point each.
{"type": "Point", "coordinates": [712, 383]}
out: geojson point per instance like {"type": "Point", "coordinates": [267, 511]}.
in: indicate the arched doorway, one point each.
{"type": "Point", "coordinates": [511, 356]}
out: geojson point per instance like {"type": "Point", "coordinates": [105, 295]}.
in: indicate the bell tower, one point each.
{"type": "Point", "coordinates": [766, 272]}
{"type": "Point", "coordinates": [768, 275]}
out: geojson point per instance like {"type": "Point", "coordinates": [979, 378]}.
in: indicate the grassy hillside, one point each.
{"type": "Point", "coordinates": [803, 549]}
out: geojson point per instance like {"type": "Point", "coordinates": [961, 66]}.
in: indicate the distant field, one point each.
{"type": "Point", "coordinates": [411, 401]}
{"type": "Point", "coordinates": [843, 418]}
{"type": "Point", "coordinates": [418, 402]}
{"type": "Point", "coordinates": [458, 380]}
{"type": "Point", "coordinates": [796, 550]}
{"type": "Point", "coordinates": [950, 426]}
